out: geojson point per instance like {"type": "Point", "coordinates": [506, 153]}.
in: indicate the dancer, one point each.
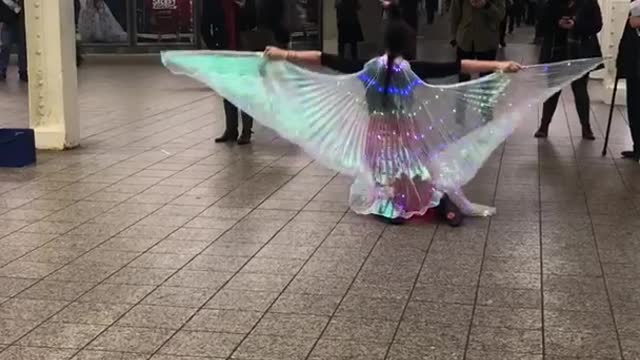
{"type": "Point", "coordinates": [399, 137]}
{"type": "Point", "coordinates": [97, 23]}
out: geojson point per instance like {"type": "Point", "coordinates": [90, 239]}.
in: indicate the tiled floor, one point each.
{"type": "Point", "coordinates": [152, 242]}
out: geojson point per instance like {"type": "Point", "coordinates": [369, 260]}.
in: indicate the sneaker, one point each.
{"type": "Point", "coordinates": [24, 77]}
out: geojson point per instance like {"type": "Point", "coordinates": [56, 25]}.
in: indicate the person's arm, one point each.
{"type": "Point", "coordinates": [634, 22]}
{"type": "Point", "coordinates": [316, 58]}
{"type": "Point", "coordinates": [479, 66]}
{"type": "Point", "coordinates": [591, 22]}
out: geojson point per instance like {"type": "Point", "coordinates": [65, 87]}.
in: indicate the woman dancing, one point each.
{"type": "Point", "coordinates": [399, 192]}
{"type": "Point", "coordinates": [409, 145]}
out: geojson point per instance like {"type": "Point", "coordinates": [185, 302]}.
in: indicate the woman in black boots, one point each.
{"type": "Point", "coordinates": [222, 23]}
{"type": "Point", "coordinates": [570, 29]}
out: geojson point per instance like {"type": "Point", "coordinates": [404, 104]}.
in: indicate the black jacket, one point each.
{"type": "Point", "coordinates": [214, 27]}
{"type": "Point", "coordinates": [588, 23]}
{"type": "Point", "coordinates": [7, 15]}
{"type": "Point", "coordinates": [271, 16]}
{"type": "Point", "coordinates": [628, 61]}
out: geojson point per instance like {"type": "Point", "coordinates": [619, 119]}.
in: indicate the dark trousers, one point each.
{"type": "Point", "coordinates": [353, 46]}
{"type": "Point", "coordinates": [231, 119]}
{"type": "Point", "coordinates": [503, 30]}
{"type": "Point", "coordinates": [475, 55]}
{"type": "Point", "coordinates": [581, 95]}
{"type": "Point", "coordinates": [14, 34]}
{"type": "Point", "coordinates": [532, 8]}
{"type": "Point", "coordinates": [633, 109]}
{"type": "Point", "coordinates": [432, 7]}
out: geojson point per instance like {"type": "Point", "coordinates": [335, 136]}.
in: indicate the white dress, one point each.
{"type": "Point", "coordinates": [96, 23]}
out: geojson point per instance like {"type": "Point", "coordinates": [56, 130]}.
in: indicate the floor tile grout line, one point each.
{"type": "Point", "coordinates": [484, 253]}
{"type": "Point", "coordinates": [595, 242]}
{"type": "Point", "coordinates": [173, 274]}
{"type": "Point", "coordinates": [410, 295]}
{"type": "Point", "coordinates": [244, 264]}
{"type": "Point", "coordinates": [100, 282]}
{"type": "Point", "coordinates": [335, 311]}
{"type": "Point", "coordinates": [148, 117]}
{"type": "Point", "coordinates": [541, 251]}
{"type": "Point", "coordinates": [75, 202]}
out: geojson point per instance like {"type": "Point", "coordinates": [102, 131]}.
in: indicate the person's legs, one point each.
{"type": "Point", "coordinates": [341, 46]}
{"type": "Point", "coordinates": [464, 55]}
{"type": "Point", "coordinates": [488, 55]}
{"type": "Point", "coordinates": [354, 50]}
{"type": "Point", "coordinates": [581, 95]}
{"type": "Point", "coordinates": [6, 39]}
{"type": "Point", "coordinates": [21, 42]}
{"type": "Point", "coordinates": [503, 32]}
{"type": "Point", "coordinates": [231, 120]}
{"type": "Point", "coordinates": [548, 109]}
{"type": "Point", "coordinates": [633, 111]}
{"type": "Point", "coordinates": [247, 126]}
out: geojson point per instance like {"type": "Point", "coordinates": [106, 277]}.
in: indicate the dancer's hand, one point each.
{"type": "Point", "coordinates": [275, 53]}
{"type": "Point", "coordinates": [634, 21]}
{"type": "Point", "coordinates": [509, 66]}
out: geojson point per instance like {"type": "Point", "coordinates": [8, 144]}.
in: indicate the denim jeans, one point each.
{"type": "Point", "coordinates": [13, 34]}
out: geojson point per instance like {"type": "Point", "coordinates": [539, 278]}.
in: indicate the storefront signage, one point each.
{"type": "Point", "coordinates": [164, 5]}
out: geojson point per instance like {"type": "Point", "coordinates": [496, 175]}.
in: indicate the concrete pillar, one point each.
{"type": "Point", "coordinates": [614, 16]}
{"type": "Point", "coordinates": [51, 49]}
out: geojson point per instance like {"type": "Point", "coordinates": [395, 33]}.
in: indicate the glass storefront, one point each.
{"type": "Point", "coordinates": [141, 26]}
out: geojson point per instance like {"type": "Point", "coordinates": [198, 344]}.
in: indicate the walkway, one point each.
{"type": "Point", "coordinates": [152, 242]}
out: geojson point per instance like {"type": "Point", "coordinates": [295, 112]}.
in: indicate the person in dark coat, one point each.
{"type": "Point", "coordinates": [271, 17]}
{"type": "Point", "coordinates": [628, 63]}
{"type": "Point", "coordinates": [222, 23]}
{"type": "Point", "coordinates": [349, 28]}
{"type": "Point", "coordinates": [570, 29]}
{"type": "Point", "coordinates": [13, 32]}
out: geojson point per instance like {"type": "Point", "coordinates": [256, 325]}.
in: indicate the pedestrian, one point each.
{"type": "Point", "coordinates": [349, 28]}
{"type": "Point", "coordinates": [13, 32]}
{"type": "Point", "coordinates": [629, 68]}
{"type": "Point", "coordinates": [475, 29]}
{"type": "Point", "coordinates": [222, 23]}
{"type": "Point", "coordinates": [570, 29]}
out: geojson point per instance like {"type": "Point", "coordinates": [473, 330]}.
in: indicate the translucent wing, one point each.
{"type": "Point", "coordinates": [406, 142]}
{"type": "Point", "coordinates": [324, 114]}
{"type": "Point", "coordinates": [463, 124]}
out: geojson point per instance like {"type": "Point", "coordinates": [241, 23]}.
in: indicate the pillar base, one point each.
{"type": "Point", "coordinates": [52, 138]}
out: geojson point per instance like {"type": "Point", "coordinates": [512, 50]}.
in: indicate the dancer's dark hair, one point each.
{"type": "Point", "coordinates": [397, 41]}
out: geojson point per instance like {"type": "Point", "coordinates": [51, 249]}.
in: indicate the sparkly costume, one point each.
{"type": "Point", "coordinates": [406, 146]}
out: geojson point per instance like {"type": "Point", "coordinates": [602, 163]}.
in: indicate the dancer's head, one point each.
{"type": "Point", "coordinates": [397, 39]}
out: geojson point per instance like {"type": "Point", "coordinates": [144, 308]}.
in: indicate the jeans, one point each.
{"type": "Point", "coordinates": [581, 95]}
{"type": "Point", "coordinates": [633, 109]}
{"type": "Point", "coordinates": [13, 34]}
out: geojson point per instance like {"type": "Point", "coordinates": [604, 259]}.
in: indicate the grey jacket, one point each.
{"type": "Point", "coordinates": [477, 29]}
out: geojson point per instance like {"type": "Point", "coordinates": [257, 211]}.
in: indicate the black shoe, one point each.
{"type": "Point", "coordinates": [541, 133]}
{"type": "Point", "coordinates": [3, 77]}
{"type": "Point", "coordinates": [587, 134]}
{"type": "Point", "coordinates": [24, 77]}
{"type": "Point", "coordinates": [227, 137]}
{"type": "Point", "coordinates": [631, 155]}
{"type": "Point", "coordinates": [503, 44]}
{"type": "Point", "coordinates": [245, 138]}
{"type": "Point", "coordinates": [392, 221]}
{"type": "Point", "coordinates": [450, 212]}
